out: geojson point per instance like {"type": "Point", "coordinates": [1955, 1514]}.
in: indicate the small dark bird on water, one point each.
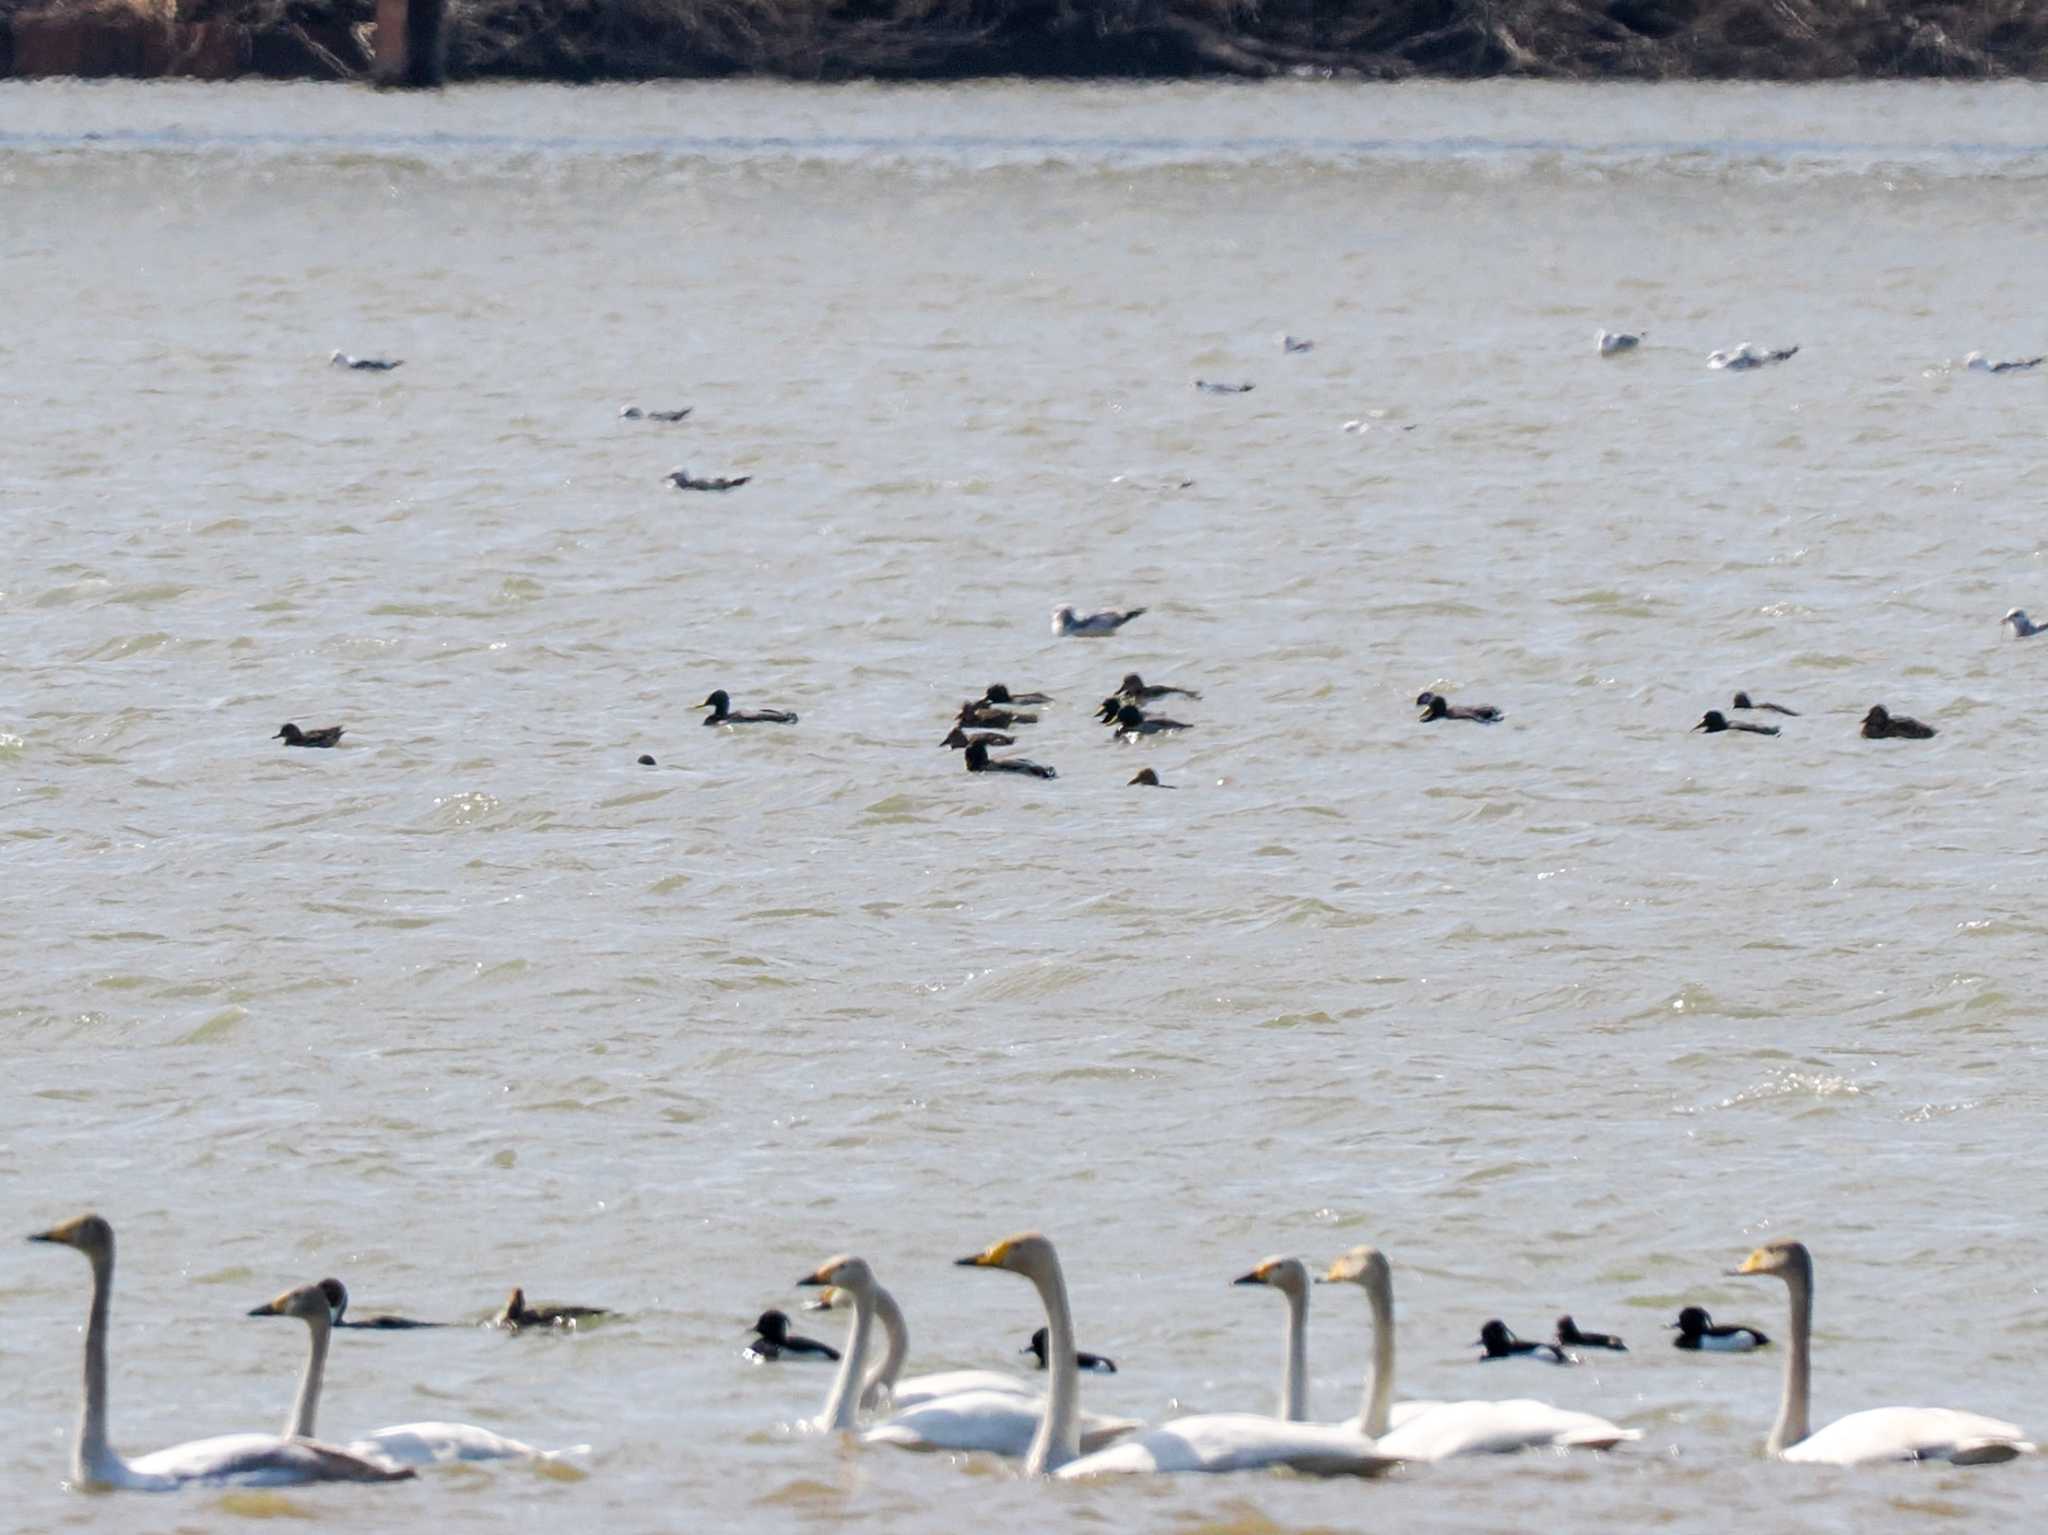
{"type": "Point", "coordinates": [960, 740]}
{"type": "Point", "coordinates": [722, 713]}
{"type": "Point", "coordinates": [1713, 722]}
{"type": "Point", "coordinates": [979, 761]}
{"type": "Point", "coordinates": [1138, 690]}
{"type": "Point", "coordinates": [1149, 779]}
{"type": "Point", "coordinates": [1209, 387]}
{"type": "Point", "coordinates": [1133, 722]}
{"type": "Point", "coordinates": [1500, 1343]}
{"type": "Point", "coordinates": [322, 735]}
{"type": "Point", "coordinates": [1568, 1333]}
{"type": "Point", "coordinates": [515, 1314]}
{"type": "Point", "coordinates": [1435, 706]}
{"type": "Point", "coordinates": [364, 364]}
{"type": "Point", "coordinates": [635, 413]}
{"type": "Point", "coordinates": [1881, 724]}
{"type": "Point", "coordinates": [1099, 1364]}
{"type": "Point", "coordinates": [1742, 702]}
{"type": "Point", "coordinates": [773, 1340]}
{"type": "Point", "coordinates": [337, 1307]}
{"type": "Point", "coordinates": [977, 715]}
{"type": "Point", "coordinates": [645, 760]}
{"type": "Point", "coordinates": [1697, 1330]}
{"type": "Point", "coordinates": [998, 694]}
{"type": "Point", "coordinates": [682, 479]}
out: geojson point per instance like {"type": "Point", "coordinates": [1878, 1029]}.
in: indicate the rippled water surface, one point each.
{"type": "Point", "coordinates": [1565, 1014]}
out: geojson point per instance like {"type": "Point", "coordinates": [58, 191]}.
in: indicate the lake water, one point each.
{"type": "Point", "coordinates": [1565, 1014]}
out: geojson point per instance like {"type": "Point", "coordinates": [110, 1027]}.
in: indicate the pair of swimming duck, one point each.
{"type": "Point", "coordinates": [1880, 724]}
{"type": "Point", "coordinates": [773, 1340]}
{"type": "Point", "coordinates": [1695, 1328]}
{"type": "Point", "coordinates": [514, 1316]}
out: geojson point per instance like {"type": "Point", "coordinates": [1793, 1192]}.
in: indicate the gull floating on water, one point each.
{"type": "Point", "coordinates": [2023, 627]}
{"type": "Point", "coordinates": [1745, 357]}
{"type": "Point", "coordinates": [1208, 387]}
{"type": "Point", "coordinates": [1977, 362]}
{"type": "Point", "coordinates": [1612, 341]}
{"type": "Point", "coordinates": [1065, 621]}
{"type": "Point", "coordinates": [635, 413]}
{"type": "Point", "coordinates": [682, 479]}
{"type": "Point", "coordinates": [1296, 344]}
{"type": "Point", "coordinates": [339, 359]}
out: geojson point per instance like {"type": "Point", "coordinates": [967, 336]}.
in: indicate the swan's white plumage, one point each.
{"type": "Point", "coordinates": [919, 1389]}
{"type": "Point", "coordinates": [432, 1444]}
{"type": "Point", "coordinates": [1218, 1442]}
{"type": "Point", "coordinates": [999, 1422]}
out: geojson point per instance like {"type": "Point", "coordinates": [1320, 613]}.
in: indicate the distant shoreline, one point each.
{"type": "Point", "coordinates": [1638, 40]}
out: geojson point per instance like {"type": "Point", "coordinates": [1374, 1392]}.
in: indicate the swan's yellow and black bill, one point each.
{"type": "Point", "coordinates": [813, 1280]}
{"type": "Point", "coordinates": [988, 1258]}
{"type": "Point", "coordinates": [271, 1307]}
{"type": "Point", "coordinates": [1757, 1262]}
{"type": "Point", "coordinates": [69, 1233]}
{"type": "Point", "coordinates": [1256, 1276]}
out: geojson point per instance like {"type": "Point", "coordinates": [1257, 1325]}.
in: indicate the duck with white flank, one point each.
{"type": "Point", "coordinates": [1207, 387]}
{"type": "Point", "coordinates": [999, 694]}
{"type": "Point", "coordinates": [635, 413]}
{"type": "Point", "coordinates": [1569, 1336]}
{"type": "Point", "coordinates": [1880, 724]}
{"type": "Point", "coordinates": [1133, 723]}
{"type": "Point", "coordinates": [977, 715]}
{"type": "Point", "coordinates": [1612, 342]}
{"type": "Point", "coordinates": [319, 735]}
{"type": "Point", "coordinates": [1095, 1363]}
{"type": "Point", "coordinates": [1745, 357]}
{"type": "Point", "coordinates": [1977, 362]}
{"type": "Point", "coordinates": [960, 740]}
{"type": "Point", "coordinates": [1139, 691]}
{"type": "Point", "coordinates": [2023, 627]}
{"type": "Point", "coordinates": [723, 713]}
{"type": "Point", "coordinates": [682, 479]}
{"type": "Point", "coordinates": [337, 1308]}
{"type": "Point", "coordinates": [1714, 722]}
{"type": "Point", "coordinates": [1697, 1330]}
{"type": "Point", "coordinates": [1435, 706]}
{"type": "Point", "coordinates": [1065, 621]}
{"type": "Point", "coordinates": [773, 1340]}
{"type": "Point", "coordinates": [1500, 1343]}
{"type": "Point", "coordinates": [1148, 779]}
{"type": "Point", "coordinates": [364, 364]}
{"type": "Point", "coordinates": [979, 761]}
{"type": "Point", "coordinates": [1742, 702]}
{"type": "Point", "coordinates": [516, 1316]}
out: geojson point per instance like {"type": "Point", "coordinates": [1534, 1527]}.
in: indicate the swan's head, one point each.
{"type": "Point", "coordinates": [1028, 1253]}
{"type": "Point", "coordinates": [1365, 1266]}
{"type": "Point", "coordinates": [337, 1298]}
{"type": "Point", "coordinates": [844, 1272]}
{"type": "Point", "coordinates": [90, 1234]}
{"type": "Point", "coordinates": [1287, 1275]}
{"type": "Point", "coordinates": [1786, 1260]}
{"type": "Point", "coordinates": [310, 1303]}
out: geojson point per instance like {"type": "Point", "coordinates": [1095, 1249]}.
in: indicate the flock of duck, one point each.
{"type": "Point", "coordinates": [997, 1412]}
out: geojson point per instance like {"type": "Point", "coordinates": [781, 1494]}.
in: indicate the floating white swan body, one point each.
{"type": "Point", "coordinates": [1879, 1433]}
{"type": "Point", "coordinates": [243, 1460]}
{"type": "Point", "coordinates": [1237, 1441]}
{"type": "Point", "coordinates": [1446, 1430]}
{"type": "Point", "coordinates": [965, 1410]}
{"type": "Point", "coordinates": [407, 1444]}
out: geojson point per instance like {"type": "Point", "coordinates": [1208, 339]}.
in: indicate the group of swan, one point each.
{"type": "Point", "coordinates": [982, 1410]}
{"type": "Point", "coordinates": [254, 1460]}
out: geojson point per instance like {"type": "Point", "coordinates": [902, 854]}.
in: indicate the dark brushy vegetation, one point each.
{"type": "Point", "coordinates": [954, 39]}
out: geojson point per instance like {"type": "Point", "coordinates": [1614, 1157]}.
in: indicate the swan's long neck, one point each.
{"type": "Point", "coordinates": [94, 1460]}
{"type": "Point", "coordinates": [1058, 1439]}
{"type": "Point", "coordinates": [1379, 1386]}
{"type": "Point", "coordinates": [1294, 1377]}
{"type": "Point", "coordinates": [1792, 1405]}
{"type": "Point", "coordinates": [307, 1407]}
{"type": "Point", "coordinates": [842, 1407]}
{"type": "Point", "coordinates": [895, 1349]}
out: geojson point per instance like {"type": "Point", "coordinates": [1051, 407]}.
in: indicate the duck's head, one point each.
{"type": "Point", "coordinates": [1433, 706]}
{"type": "Point", "coordinates": [1132, 683]}
{"type": "Point", "coordinates": [1495, 1337]}
{"type": "Point", "coordinates": [1145, 776]}
{"type": "Point", "coordinates": [1108, 712]}
{"type": "Point", "coordinates": [720, 702]}
{"type": "Point", "coordinates": [1130, 717]}
{"type": "Point", "coordinates": [337, 357]}
{"type": "Point", "coordinates": [1062, 616]}
{"type": "Point", "coordinates": [772, 1325]}
{"type": "Point", "coordinates": [337, 1299]}
{"type": "Point", "coordinates": [1028, 1252]}
{"type": "Point", "coordinates": [514, 1308]}
{"type": "Point", "coordinates": [1693, 1319]}
{"type": "Point", "coordinates": [844, 1272]}
{"type": "Point", "coordinates": [90, 1234]}
{"type": "Point", "coordinates": [1742, 701]}
{"type": "Point", "coordinates": [307, 1302]}
{"type": "Point", "coordinates": [1713, 719]}
{"type": "Point", "coordinates": [2017, 617]}
{"type": "Point", "coordinates": [1287, 1275]}
{"type": "Point", "coordinates": [1784, 1259]}
{"type": "Point", "coordinates": [1040, 1342]}
{"type": "Point", "coordinates": [977, 756]}
{"type": "Point", "coordinates": [1974, 360]}
{"type": "Point", "coordinates": [956, 740]}
{"type": "Point", "coordinates": [996, 694]}
{"type": "Point", "coordinates": [288, 732]}
{"type": "Point", "coordinates": [1879, 715]}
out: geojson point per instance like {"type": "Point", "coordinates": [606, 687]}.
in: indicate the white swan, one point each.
{"type": "Point", "coordinates": [965, 1410]}
{"type": "Point", "coordinates": [1445, 1430]}
{"type": "Point", "coordinates": [1242, 1441]}
{"type": "Point", "coordinates": [1879, 1433]}
{"type": "Point", "coordinates": [409, 1444]}
{"type": "Point", "coordinates": [247, 1460]}
{"type": "Point", "coordinates": [883, 1385]}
